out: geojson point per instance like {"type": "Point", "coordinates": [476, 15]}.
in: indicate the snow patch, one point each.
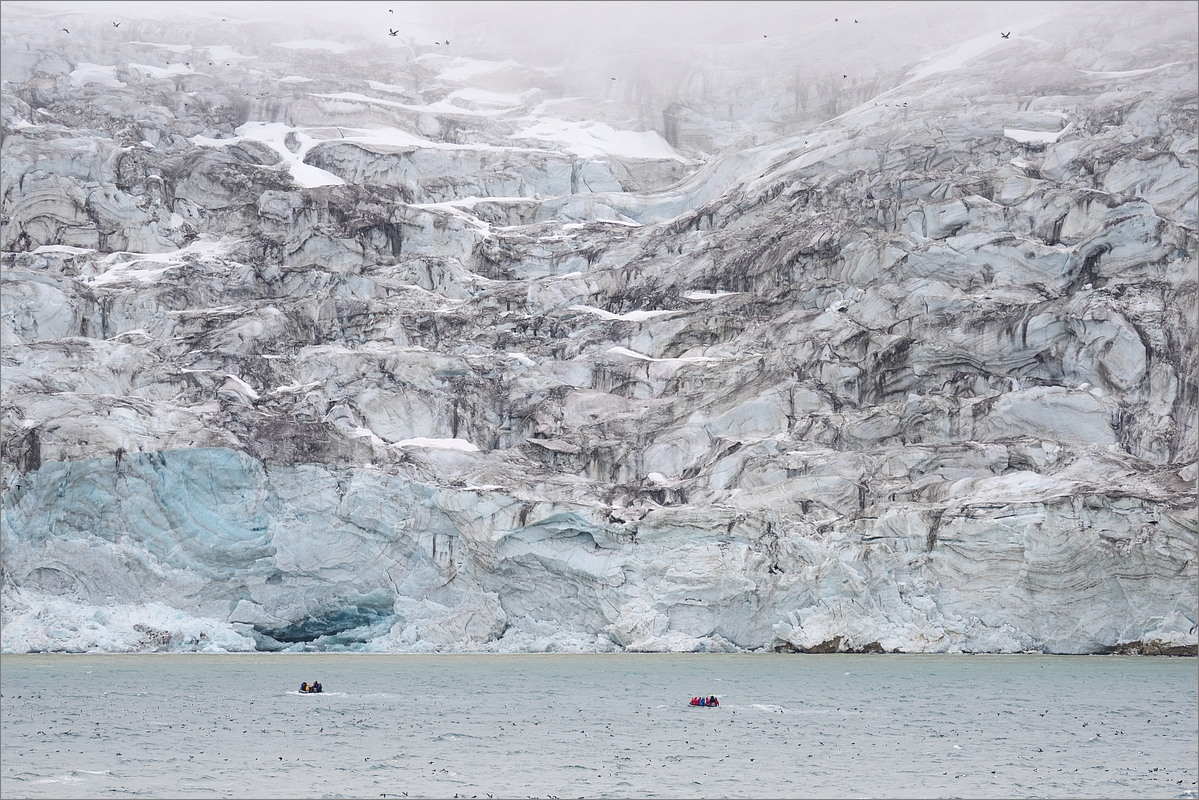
{"type": "Point", "coordinates": [598, 139]}
{"type": "Point", "coordinates": [624, 351]}
{"type": "Point", "coordinates": [274, 134]}
{"type": "Point", "coordinates": [440, 444]}
{"type": "Point", "coordinates": [631, 316]}
{"type": "Point", "coordinates": [464, 69]}
{"type": "Point", "coordinates": [1129, 73]}
{"type": "Point", "coordinates": [162, 72]}
{"type": "Point", "coordinates": [316, 44]}
{"type": "Point", "coordinates": [224, 52]}
{"type": "Point", "coordinates": [87, 73]}
{"type": "Point", "coordinates": [1034, 137]}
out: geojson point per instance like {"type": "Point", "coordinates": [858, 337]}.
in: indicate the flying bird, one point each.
{"type": "Point", "coordinates": [64, 30]}
{"type": "Point", "coordinates": [1005, 35]}
{"type": "Point", "coordinates": [391, 32]}
{"type": "Point", "coordinates": [116, 24]}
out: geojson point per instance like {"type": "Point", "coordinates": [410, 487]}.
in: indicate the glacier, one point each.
{"type": "Point", "coordinates": [317, 339]}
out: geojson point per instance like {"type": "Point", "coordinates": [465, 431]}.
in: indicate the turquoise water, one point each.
{"type": "Point", "coordinates": [789, 726]}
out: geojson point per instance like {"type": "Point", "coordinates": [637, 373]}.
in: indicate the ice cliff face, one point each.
{"type": "Point", "coordinates": [322, 343]}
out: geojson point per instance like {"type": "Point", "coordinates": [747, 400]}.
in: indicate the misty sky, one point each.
{"type": "Point", "coordinates": [548, 30]}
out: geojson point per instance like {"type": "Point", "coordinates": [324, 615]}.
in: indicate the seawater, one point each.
{"type": "Point", "coordinates": [566, 726]}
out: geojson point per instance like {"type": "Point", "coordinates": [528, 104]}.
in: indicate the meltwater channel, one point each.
{"type": "Point", "coordinates": [566, 726]}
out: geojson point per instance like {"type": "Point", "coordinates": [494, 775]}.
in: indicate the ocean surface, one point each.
{"type": "Point", "coordinates": [567, 726]}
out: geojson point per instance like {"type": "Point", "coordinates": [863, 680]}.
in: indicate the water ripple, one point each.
{"type": "Point", "coordinates": [953, 726]}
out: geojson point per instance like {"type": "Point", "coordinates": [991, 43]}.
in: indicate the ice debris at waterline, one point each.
{"type": "Point", "coordinates": [485, 357]}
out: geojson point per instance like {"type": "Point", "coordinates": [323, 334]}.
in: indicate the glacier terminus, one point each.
{"type": "Point", "coordinates": [322, 338]}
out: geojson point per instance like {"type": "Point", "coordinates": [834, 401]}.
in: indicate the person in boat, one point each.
{"type": "Point", "coordinates": [304, 687]}
{"type": "Point", "coordinates": [316, 686]}
{"type": "Point", "coordinates": [712, 701]}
